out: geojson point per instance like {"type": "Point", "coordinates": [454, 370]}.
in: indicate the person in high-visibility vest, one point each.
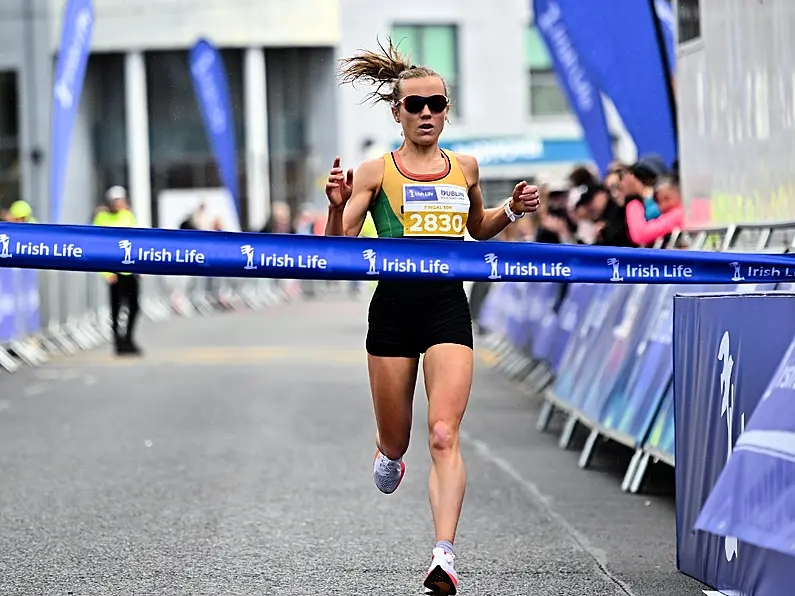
{"type": "Point", "coordinates": [124, 286]}
{"type": "Point", "coordinates": [21, 212]}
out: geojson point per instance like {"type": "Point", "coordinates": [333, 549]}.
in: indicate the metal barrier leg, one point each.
{"type": "Point", "coordinates": [632, 469]}
{"type": "Point", "coordinates": [545, 416]}
{"type": "Point", "coordinates": [46, 344]}
{"type": "Point", "coordinates": [568, 432]}
{"type": "Point", "coordinates": [640, 474]}
{"type": "Point", "coordinates": [587, 450]}
{"type": "Point", "coordinates": [543, 380]}
{"type": "Point", "coordinates": [61, 341]}
{"type": "Point", "coordinates": [26, 351]}
{"type": "Point", "coordinates": [76, 334]}
{"type": "Point", "coordinates": [7, 361]}
{"type": "Point", "coordinates": [88, 328]}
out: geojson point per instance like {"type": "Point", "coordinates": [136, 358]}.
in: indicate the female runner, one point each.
{"type": "Point", "coordinates": [407, 319]}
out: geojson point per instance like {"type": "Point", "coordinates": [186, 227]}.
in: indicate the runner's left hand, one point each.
{"type": "Point", "coordinates": [525, 198]}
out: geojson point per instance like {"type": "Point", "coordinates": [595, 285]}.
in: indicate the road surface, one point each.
{"type": "Point", "coordinates": [235, 459]}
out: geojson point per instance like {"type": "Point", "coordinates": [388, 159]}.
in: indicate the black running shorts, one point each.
{"type": "Point", "coordinates": [407, 318]}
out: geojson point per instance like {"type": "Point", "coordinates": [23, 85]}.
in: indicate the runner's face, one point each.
{"type": "Point", "coordinates": [424, 127]}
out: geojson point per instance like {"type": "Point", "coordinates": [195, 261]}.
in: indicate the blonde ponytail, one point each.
{"type": "Point", "coordinates": [386, 68]}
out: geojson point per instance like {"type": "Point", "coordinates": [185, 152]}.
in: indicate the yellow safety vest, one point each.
{"type": "Point", "coordinates": [120, 219]}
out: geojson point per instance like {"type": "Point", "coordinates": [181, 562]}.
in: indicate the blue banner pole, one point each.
{"type": "Point", "coordinates": [212, 94]}
{"type": "Point", "coordinates": [583, 94]}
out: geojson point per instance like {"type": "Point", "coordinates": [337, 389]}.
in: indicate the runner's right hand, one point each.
{"type": "Point", "coordinates": [339, 186]}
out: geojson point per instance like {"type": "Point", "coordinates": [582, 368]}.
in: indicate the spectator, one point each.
{"type": "Point", "coordinates": [609, 218]}
{"type": "Point", "coordinates": [20, 212]}
{"type": "Point", "coordinates": [124, 286]}
{"type": "Point", "coordinates": [556, 225]}
{"type": "Point", "coordinates": [613, 181]}
{"type": "Point", "coordinates": [280, 221]}
{"type": "Point", "coordinates": [672, 217]}
{"type": "Point", "coordinates": [195, 221]}
{"type": "Point", "coordinates": [639, 180]}
{"type": "Point", "coordinates": [580, 179]}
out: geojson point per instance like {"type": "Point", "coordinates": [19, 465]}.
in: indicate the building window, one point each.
{"type": "Point", "coordinates": [546, 96]}
{"type": "Point", "coordinates": [688, 17]}
{"type": "Point", "coordinates": [434, 46]}
{"type": "Point", "coordinates": [9, 140]}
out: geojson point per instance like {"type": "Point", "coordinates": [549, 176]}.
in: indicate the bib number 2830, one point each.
{"type": "Point", "coordinates": [438, 210]}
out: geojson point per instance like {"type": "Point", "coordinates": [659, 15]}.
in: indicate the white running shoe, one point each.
{"type": "Point", "coordinates": [442, 578]}
{"type": "Point", "coordinates": [387, 473]}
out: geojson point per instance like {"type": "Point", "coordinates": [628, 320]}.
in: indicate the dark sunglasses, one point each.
{"type": "Point", "coordinates": [414, 104]}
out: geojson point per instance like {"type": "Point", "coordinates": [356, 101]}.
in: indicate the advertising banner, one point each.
{"type": "Point", "coordinates": [70, 71]}
{"type": "Point", "coordinates": [211, 87]}
{"type": "Point", "coordinates": [726, 351]}
{"type": "Point", "coordinates": [753, 499]}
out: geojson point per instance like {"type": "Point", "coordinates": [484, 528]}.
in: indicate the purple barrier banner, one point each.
{"type": "Point", "coordinates": [570, 317]}
{"type": "Point", "coordinates": [26, 284]}
{"type": "Point", "coordinates": [513, 321]}
{"type": "Point", "coordinates": [595, 352]}
{"type": "Point", "coordinates": [494, 310]}
{"type": "Point", "coordinates": [753, 499]}
{"type": "Point", "coordinates": [623, 341]}
{"type": "Point", "coordinates": [727, 349]}
{"type": "Point", "coordinates": [7, 305]}
{"type": "Point", "coordinates": [602, 312]}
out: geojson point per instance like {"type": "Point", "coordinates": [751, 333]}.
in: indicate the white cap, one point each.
{"type": "Point", "coordinates": [116, 192]}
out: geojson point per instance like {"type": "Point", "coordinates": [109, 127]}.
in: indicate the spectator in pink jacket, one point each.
{"type": "Point", "coordinates": [669, 200]}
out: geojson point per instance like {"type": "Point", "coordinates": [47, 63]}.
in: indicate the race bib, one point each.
{"type": "Point", "coordinates": [435, 210]}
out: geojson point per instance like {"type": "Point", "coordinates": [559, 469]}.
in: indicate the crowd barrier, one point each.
{"type": "Point", "coordinates": [601, 353]}
{"type": "Point", "coordinates": [675, 373]}
{"type": "Point", "coordinates": [734, 472]}
{"type": "Point", "coordinates": [44, 313]}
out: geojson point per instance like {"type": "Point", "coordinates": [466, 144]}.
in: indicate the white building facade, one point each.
{"type": "Point", "coordinates": [139, 124]}
{"type": "Point", "coordinates": [736, 98]}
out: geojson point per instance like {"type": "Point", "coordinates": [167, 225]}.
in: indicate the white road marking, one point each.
{"type": "Point", "coordinates": [544, 503]}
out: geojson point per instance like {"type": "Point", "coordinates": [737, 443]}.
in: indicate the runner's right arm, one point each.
{"type": "Point", "coordinates": [346, 217]}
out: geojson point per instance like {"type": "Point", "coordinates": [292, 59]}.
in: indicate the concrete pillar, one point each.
{"type": "Point", "coordinates": [137, 123]}
{"type": "Point", "coordinates": [256, 120]}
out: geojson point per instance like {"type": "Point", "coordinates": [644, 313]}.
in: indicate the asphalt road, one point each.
{"type": "Point", "coordinates": [235, 458]}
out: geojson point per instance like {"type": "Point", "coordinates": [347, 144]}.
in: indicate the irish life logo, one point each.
{"type": "Point", "coordinates": [283, 260]}
{"type": "Point", "coordinates": [633, 271]}
{"type": "Point", "coordinates": [187, 256]}
{"type": "Point", "coordinates": [61, 250]}
{"type": "Point", "coordinates": [127, 247]}
{"type": "Point", "coordinates": [370, 256]}
{"type": "Point", "coordinates": [248, 251]}
{"type": "Point", "coordinates": [737, 275]}
{"type": "Point", "coordinates": [494, 262]}
{"type": "Point", "coordinates": [5, 241]}
{"type": "Point", "coordinates": [525, 269]}
{"type": "Point", "coordinates": [727, 408]}
{"type": "Point", "coordinates": [429, 267]}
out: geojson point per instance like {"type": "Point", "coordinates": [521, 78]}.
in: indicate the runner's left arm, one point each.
{"type": "Point", "coordinates": [484, 224]}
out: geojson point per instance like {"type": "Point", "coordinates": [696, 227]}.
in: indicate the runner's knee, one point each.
{"type": "Point", "coordinates": [443, 436]}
